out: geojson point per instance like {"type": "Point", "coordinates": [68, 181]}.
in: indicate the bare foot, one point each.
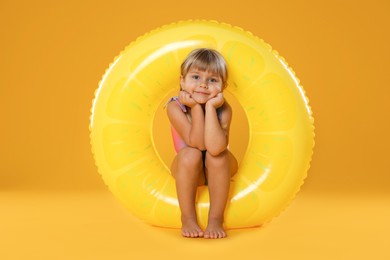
{"type": "Point", "coordinates": [215, 229]}
{"type": "Point", "coordinates": [190, 228]}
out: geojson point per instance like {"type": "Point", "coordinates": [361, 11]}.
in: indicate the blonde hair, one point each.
{"type": "Point", "coordinates": [206, 59]}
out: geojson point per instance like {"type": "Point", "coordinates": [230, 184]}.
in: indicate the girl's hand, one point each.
{"type": "Point", "coordinates": [216, 101]}
{"type": "Point", "coordinates": [186, 99]}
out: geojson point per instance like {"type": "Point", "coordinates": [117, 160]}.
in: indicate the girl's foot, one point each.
{"type": "Point", "coordinates": [215, 229]}
{"type": "Point", "coordinates": [190, 228]}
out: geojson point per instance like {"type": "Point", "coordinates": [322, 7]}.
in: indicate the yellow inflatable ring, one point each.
{"type": "Point", "coordinates": [281, 132]}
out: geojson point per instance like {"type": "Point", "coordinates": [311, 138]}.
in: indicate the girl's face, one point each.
{"type": "Point", "coordinates": [201, 85]}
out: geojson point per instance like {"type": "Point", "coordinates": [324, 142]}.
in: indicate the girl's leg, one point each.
{"type": "Point", "coordinates": [219, 170]}
{"type": "Point", "coordinates": [187, 169]}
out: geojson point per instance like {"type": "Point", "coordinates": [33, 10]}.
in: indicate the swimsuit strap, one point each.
{"type": "Point", "coordinates": [176, 98]}
{"type": "Point", "coordinates": [219, 113]}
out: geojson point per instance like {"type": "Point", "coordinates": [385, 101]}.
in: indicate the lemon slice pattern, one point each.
{"type": "Point", "coordinates": [281, 131]}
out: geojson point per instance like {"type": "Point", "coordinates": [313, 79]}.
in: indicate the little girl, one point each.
{"type": "Point", "coordinates": [200, 120]}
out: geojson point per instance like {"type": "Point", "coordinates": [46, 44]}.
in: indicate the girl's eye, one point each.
{"type": "Point", "coordinates": [195, 77]}
{"type": "Point", "coordinates": [213, 80]}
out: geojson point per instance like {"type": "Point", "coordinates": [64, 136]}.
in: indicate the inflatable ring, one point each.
{"type": "Point", "coordinates": [281, 131]}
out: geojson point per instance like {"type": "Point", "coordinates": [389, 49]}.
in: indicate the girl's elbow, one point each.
{"type": "Point", "coordinates": [199, 145]}
{"type": "Point", "coordinates": [215, 148]}
{"type": "Point", "coordinates": [215, 151]}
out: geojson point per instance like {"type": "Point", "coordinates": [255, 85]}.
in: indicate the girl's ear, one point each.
{"type": "Point", "coordinates": [224, 86]}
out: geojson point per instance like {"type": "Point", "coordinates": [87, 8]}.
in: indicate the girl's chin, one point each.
{"type": "Point", "coordinates": [201, 101]}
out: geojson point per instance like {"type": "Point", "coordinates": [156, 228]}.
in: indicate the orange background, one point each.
{"type": "Point", "coordinates": [52, 56]}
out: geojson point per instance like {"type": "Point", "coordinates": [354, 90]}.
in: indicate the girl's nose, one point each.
{"type": "Point", "coordinates": [203, 84]}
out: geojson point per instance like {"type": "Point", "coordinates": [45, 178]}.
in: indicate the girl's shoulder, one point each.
{"type": "Point", "coordinates": [174, 103]}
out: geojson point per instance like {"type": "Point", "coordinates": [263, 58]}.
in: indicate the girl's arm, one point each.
{"type": "Point", "coordinates": [192, 132]}
{"type": "Point", "coordinates": [216, 132]}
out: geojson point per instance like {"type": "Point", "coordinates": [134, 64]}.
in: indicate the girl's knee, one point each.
{"type": "Point", "coordinates": [190, 157]}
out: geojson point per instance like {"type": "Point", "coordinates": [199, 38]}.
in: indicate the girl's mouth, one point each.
{"type": "Point", "coordinates": [202, 93]}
